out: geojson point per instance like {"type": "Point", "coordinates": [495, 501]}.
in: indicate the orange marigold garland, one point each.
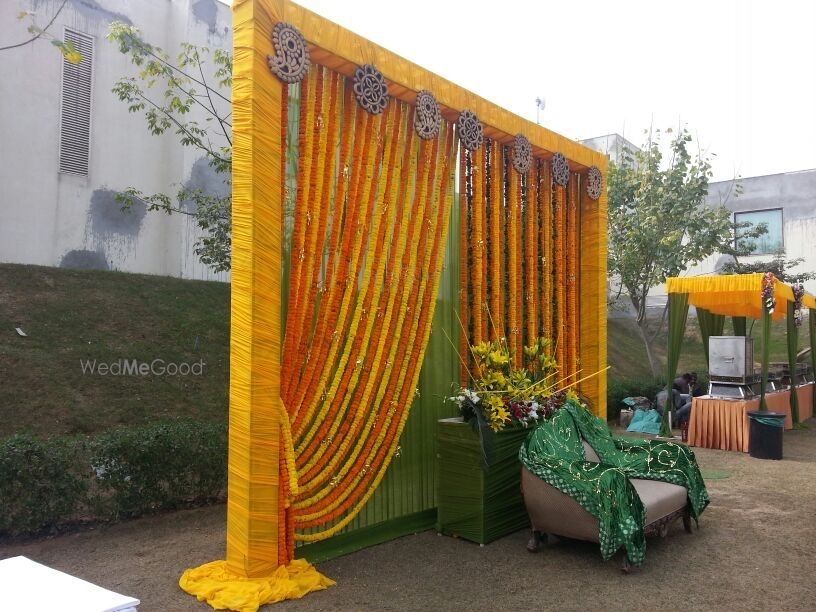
{"type": "Point", "coordinates": [572, 277]}
{"type": "Point", "coordinates": [531, 266]}
{"type": "Point", "coordinates": [476, 243]}
{"type": "Point", "coordinates": [420, 328]}
{"type": "Point", "coordinates": [327, 309]}
{"type": "Point", "coordinates": [299, 232]}
{"type": "Point", "coordinates": [497, 252]}
{"type": "Point", "coordinates": [513, 264]}
{"type": "Point", "coordinates": [463, 263]}
{"type": "Point", "coordinates": [421, 315]}
{"type": "Point", "coordinates": [349, 261]}
{"type": "Point", "coordinates": [559, 281]}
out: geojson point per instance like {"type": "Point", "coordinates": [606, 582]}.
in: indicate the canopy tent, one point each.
{"type": "Point", "coordinates": [739, 296]}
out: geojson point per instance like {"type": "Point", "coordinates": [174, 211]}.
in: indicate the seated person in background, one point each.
{"type": "Point", "coordinates": [681, 403]}
{"type": "Point", "coordinates": [682, 383]}
{"type": "Point", "coordinates": [696, 390]}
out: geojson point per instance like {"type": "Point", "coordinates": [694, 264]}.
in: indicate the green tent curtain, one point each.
{"type": "Point", "coordinates": [710, 325]}
{"type": "Point", "coordinates": [740, 326]}
{"type": "Point", "coordinates": [766, 354]}
{"type": "Point", "coordinates": [812, 327]}
{"type": "Point", "coordinates": [793, 346]}
{"type": "Point", "coordinates": [678, 313]}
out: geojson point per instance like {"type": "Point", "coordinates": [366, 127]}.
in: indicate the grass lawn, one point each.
{"type": "Point", "coordinates": [70, 316]}
{"type": "Point", "coordinates": [628, 357]}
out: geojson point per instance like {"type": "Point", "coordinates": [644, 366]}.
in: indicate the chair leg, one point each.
{"type": "Point", "coordinates": [536, 540]}
{"type": "Point", "coordinates": [626, 566]}
{"type": "Point", "coordinates": [687, 521]}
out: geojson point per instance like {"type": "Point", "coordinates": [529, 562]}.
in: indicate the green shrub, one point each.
{"type": "Point", "coordinates": [158, 466]}
{"type": "Point", "coordinates": [619, 388]}
{"type": "Point", "coordinates": [42, 483]}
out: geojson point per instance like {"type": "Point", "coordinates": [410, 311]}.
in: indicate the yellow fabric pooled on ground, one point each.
{"type": "Point", "coordinates": [223, 590]}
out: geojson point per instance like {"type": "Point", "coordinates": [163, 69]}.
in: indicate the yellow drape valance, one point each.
{"type": "Point", "coordinates": [735, 295]}
{"type": "Point", "coordinates": [809, 301]}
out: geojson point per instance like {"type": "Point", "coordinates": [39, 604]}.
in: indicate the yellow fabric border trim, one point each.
{"type": "Point", "coordinates": [342, 50]}
{"type": "Point", "coordinates": [735, 295]}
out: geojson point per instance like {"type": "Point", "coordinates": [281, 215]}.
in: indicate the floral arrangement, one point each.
{"type": "Point", "coordinates": [768, 297]}
{"type": "Point", "coordinates": [798, 294]}
{"type": "Point", "coordinates": [501, 395]}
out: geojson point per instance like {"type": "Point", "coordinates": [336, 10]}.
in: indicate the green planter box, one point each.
{"type": "Point", "coordinates": [481, 505]}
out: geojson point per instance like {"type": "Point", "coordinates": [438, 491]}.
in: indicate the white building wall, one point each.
{"type": "Point", "coordinates": [54, 219]}
{"type": "Point", "coordinates": [794, 193]}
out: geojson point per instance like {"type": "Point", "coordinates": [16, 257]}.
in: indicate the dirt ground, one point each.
{"type": "Point", "coordinates": [754, 550]}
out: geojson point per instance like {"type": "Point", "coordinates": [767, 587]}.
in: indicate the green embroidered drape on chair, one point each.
{"type": "Point", "coordinates": [554, 453]}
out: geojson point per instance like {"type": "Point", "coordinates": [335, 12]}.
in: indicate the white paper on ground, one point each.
{"type": "Point", "coordinates": [31, 586]}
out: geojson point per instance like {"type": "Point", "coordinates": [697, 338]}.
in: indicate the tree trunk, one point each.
{"type": "Point", "coordinates": [647, 344]}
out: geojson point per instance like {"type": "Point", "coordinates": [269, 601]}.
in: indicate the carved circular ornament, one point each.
{"type": "Point", "coordinates": [371, 89]}
{"type": "Point", "coordinates": [522, 154]}
{"type": "Point", "coordinates": [560, 169]}
{"type": "Point", "coordinates": [427, 118]}
{"type": "Point", "coordinates": [291, 60]}
{"type": "Point", "coordinates": [470, 130]}
{"type": "Point", "coordinates": [594, 183]}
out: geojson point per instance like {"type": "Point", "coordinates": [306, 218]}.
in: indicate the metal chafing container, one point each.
{"type": "Point", "coordinates": [731, 367]}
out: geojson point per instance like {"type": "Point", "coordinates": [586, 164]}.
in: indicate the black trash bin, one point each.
{"type": "Point", "coordinates": [765, 441]}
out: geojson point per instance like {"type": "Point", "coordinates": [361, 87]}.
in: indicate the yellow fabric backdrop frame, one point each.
{"type": "Point", "coordinates": [253, 572]}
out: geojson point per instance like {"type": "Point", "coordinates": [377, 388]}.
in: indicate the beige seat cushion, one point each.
{"type": "Point", "coordinates": [659, 498]}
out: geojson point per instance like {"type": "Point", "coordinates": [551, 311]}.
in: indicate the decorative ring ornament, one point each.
{"type": "Point", "coordinates": [371, 89]}
{"type": "Point", "coordinates": [522, 154]}
{"type": "Point", "coordinates": [427, 118]}
{"type": "Point", "coordinates": [594, 183]}
{"type": "Point", "coordinates": [560, 169]}
{"type": "Point", "coordinates": [291, 60]}
{"type": "Point", "coordinates": [470, 130]}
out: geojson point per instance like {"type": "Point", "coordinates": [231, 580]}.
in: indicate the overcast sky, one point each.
{"type": "Point", "coordinates": [740, 74]}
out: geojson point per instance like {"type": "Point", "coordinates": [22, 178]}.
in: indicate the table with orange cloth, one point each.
{"type": "Point", "coordinates": [723, 423]}
{"type": "Point", "coordinates": [805, 404]}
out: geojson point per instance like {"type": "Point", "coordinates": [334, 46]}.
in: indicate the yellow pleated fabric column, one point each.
{"type": "Point", "coordinates": [592, 294]}
{"type": "Point", "coordinates": [253, 573]}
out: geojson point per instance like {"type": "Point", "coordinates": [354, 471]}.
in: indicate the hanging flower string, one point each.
{"type": "Point", "coordinates": [768, 297]}
{"type": "Point", "coordinates": [798, 294]}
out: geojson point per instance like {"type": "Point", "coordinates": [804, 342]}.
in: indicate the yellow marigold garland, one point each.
{"type": "Point", "coordinates": [477, 244]}
{"type": "Point", "coordinates": [572, 278]}
{"type": "Point", "coordinates": [559, 282]}
{"type": "Point", "coordinates": [307, 102]}
{"type": "Point", "coordinates": [419, 332]}
{"type": "Point", "coordinates": [497, 257]}
{"type": "Point", "coordinates": [513, 265]}
{"type": "Point", "coordinates": [343, 396]}
{"type": "Point", "coordinates": [347, 322]}
{"type": "Point", "coordinates": [546, 250]}
{"type": "Point", "coordinates": [348, 271]}
{"type": "Point", "coordinates": [327, 309]}
{"type": "Point", "coordinates": [463, 264]}
{"type": "Point", "coordinates": [530, 249]}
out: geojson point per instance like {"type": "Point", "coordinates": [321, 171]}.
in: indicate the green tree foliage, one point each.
{"type": "Point", "coordinates": [659, 224]}
{"type": "Point", "coordinates": [187, 95]}
{"type": "Point", "coordinates": [778, 264]}
{"type": "Point", "coordinates": [66, 47]}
